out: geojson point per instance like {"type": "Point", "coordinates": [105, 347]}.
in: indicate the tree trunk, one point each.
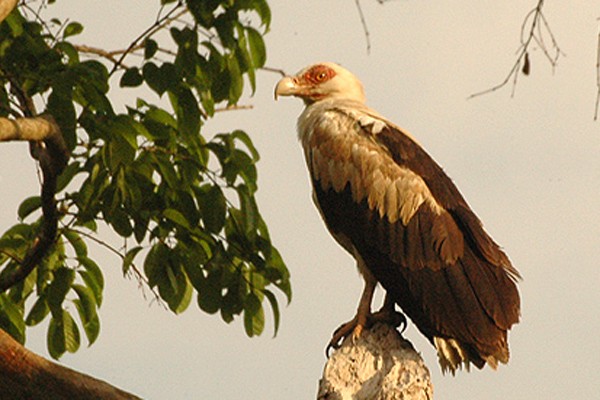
{"type": "Point", "coordinates": [379, 365]}
{"type": "Point", "coordinates": [25, 375]}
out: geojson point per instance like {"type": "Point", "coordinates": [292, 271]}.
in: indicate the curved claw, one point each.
{"type": "Point", "coordinates": [355, 327]}
{"type": "Point", "coordinates": [390, 317]}
{"type": "Point", "coordinates": [341, 333]}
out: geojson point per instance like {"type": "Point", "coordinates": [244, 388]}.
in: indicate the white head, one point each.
{"type": "Point", "coordinates": [321, 81]}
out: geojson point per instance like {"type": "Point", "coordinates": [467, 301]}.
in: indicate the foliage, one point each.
{"type": "Point", "coordinates": [183, 204]}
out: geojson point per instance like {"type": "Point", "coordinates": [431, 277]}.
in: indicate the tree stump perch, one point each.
{"type": "Point", "coordinates": [379, 365]}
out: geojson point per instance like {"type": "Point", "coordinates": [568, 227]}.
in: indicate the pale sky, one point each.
{"type": "Point", "coordinates": [529, 166]}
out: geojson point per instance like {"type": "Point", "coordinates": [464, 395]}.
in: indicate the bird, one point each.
{"type": "Point", "coordinates": [387, 202]}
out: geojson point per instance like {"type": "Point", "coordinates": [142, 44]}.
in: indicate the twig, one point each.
{"type": "Point", "coordinates": [363, 21]}
{"type": "Point", "coordinates": [275, 70]}
{"type": "Point", "coordinates": [109, 55]}
{"type": "Point", "coordinates": [158, 25]}
{"type": "Point", "coordinates": [235, 107]}
{"type": "Point", "coordinates": [597, 79]}
{"type": "Point", "coordinates": [139, 276]}
{"type": "Point", "coordinates": [539, 28]}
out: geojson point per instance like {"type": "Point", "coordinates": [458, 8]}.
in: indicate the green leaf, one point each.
{"type": "Point", "coordinates": [67, 175]}
{"type": "Point", "coordinates": [186, 108]}
{"type": "Point", "coordinates": [92, 276]}
{"type": "Point", "coordinates": [232, 301]}
{"type": "Point", "coordinates": [69, 50]}
{"type": "Point", "coordinates": [176, 217]}
{"type": "Point", "coordinates": [245, 139]}
{"type": "Point", "coordinates": [209, 292]}
{"type": "Point", "coordinates": [250, 214]}
{"type": "Point", "coordinates": [38, 312]}
{"type": "Point", "coordinates": [254, 316]}
{"type": "Point", "coordinates": [120, 222]}
{"type": "Point", "coordinates": [122, 146]}
{"type": "Point", "coordinates": [160, 79]}
{"type": "Point", "coordinates": [58, 289]}
{"type": "Point", "coordinates": [28, 206]}
{"type": "Point", "coordinates": [15, 21]}
{"type": "Point", "coordinates": [129, 257]}
{"type": "Point", "coordinates": [154, 263]}
{"type": "Point", "coordinates": [275, 307]}
{"type": "Point", "coordinates": [73, 28]}
{"type": "Point", "coordinates": [61, 107]}
{"type": "Point", "coordinates": [208, 103]}
{"type": "Point", "coordinates": [167, 170]}
{"type": "Point", "coordinates": [214, 208]}
{"type": "Point", "coordinates": [55, 338]}
{"type": "Point", "coordinates": [76, 242]}
{"type": "Point", "coordinates": [72, 337]}
{"type": "Point", "coordinates": [11, 319]}
{"type": "Point", "coordinates": [63, 335]}
{"type": "Point", "coordinates": [150, 48]}
{"type": "Point", "coordinates": [86, 307]}
{"type": "Point", "coordinates": [131, 78]}
{"type": "Point", "coordinates": [236, 81]}
{"type": "Point", "coordinates": [178, 291]}
{"type": "Point", "coordinates": [257, 47]}
{"type": "Point", "coordinates": [262, 9]}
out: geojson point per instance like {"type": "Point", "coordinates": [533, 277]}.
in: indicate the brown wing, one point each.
{"type": "Point", "coordinates": [417, 235]}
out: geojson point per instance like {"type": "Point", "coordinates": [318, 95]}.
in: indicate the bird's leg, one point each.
{"type": "Point", "coordinates": [388, 314]}
{"type": "Point", "coordinates": [358, 323]}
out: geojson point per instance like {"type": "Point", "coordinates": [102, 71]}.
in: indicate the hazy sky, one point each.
{"type": "Point", "coordinates": [529, 166]}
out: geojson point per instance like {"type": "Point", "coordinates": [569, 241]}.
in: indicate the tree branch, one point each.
{"type": "Point", "coordinates": [6, 7]}
{"type": "Point", "coordinates": [597, 79]}
{"type": "Point", "coordinates": [159, 24]}
{"type": "Point", "coordinates": [51, 151]}
{"type": "Point", "coordinates": [363, 22]}
{"type": "Point", "coordinates": [538, 30]}
{"type": "Point", "coordinates": [25, 375]}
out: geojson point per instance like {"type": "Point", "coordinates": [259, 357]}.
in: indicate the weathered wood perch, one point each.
{"type": "Point", "coordinates": [379, 365]}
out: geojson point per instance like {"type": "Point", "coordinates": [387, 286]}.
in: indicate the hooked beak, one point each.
{"type": "Point", "coordinates": [287, 86]}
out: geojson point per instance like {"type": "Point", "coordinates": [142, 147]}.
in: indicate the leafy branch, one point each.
{"type": "Point", "coordinates": [52, 154]}
{"type": "Point", "coordinates": [187, 203]}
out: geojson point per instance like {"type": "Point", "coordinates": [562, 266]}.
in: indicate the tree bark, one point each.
{"type": "Point", "coordinates": [379, 365]}
{"type": "Point", "coordinates": [25, 375]}
{"type": "Point", "coordinates": [6, 6]}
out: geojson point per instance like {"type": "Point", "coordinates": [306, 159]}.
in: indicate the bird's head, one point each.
{"type": "Point", "coordinates": [320, 82]}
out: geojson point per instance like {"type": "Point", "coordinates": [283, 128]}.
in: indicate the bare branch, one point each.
{"type": "Point", "coordinates": [159, 24]}
{"type": "Point", "coordinates": [537, 33]}
{"type": "Point", "coordinates": [23, 129]}
{"type": "Point", "coordinates": [363, 21]}
{"type": "Point", "coordinates": [597, 79]}
{"type": "Point", "coordinates": [109, 55]}
{"type": "Point", "coordinates": [133, 269]}
{"type": "Point", "coordinates": [275, 70]}
{"type": "Point", "coordinates": [235, 107]}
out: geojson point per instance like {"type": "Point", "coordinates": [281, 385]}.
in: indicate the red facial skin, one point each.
{"type": "Point", "coordinates": [312, 78]}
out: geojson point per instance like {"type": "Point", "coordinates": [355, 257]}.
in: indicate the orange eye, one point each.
{"type": "Point", "coordinates": [321, 76]}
